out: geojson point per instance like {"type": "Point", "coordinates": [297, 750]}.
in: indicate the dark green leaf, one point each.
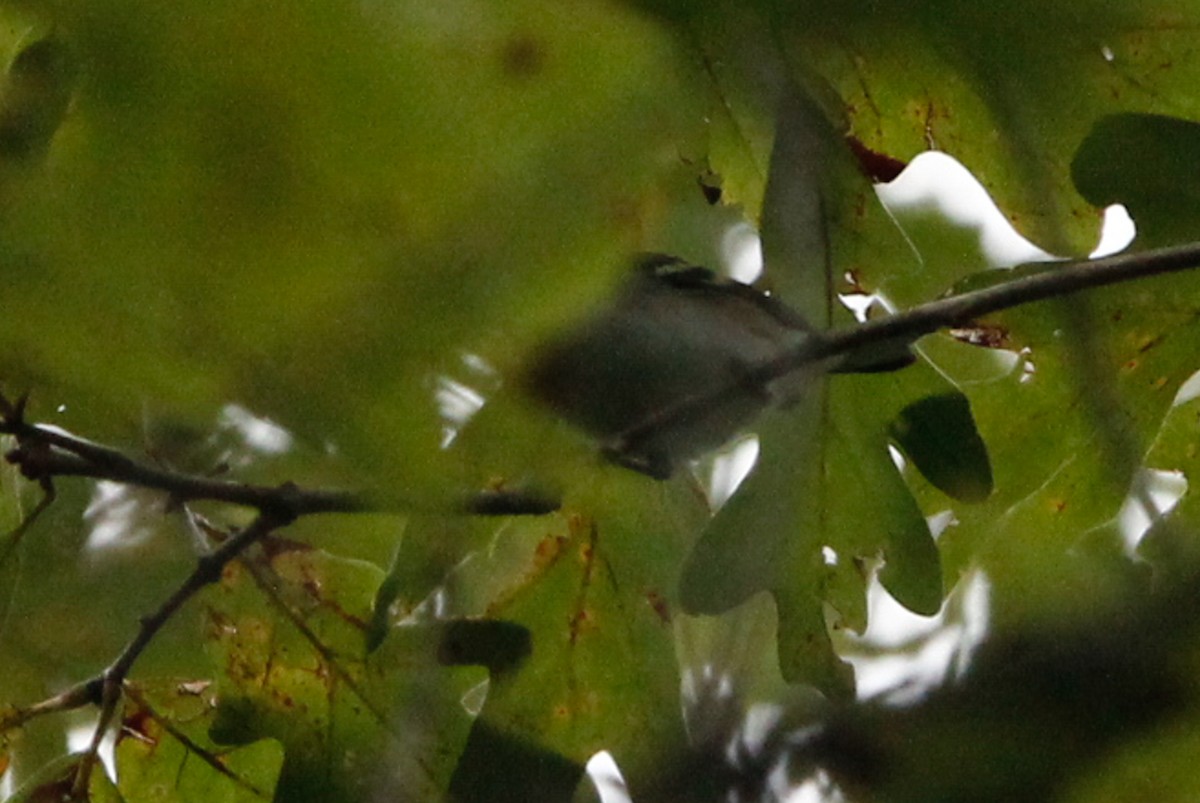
{"type": "Point", "coordinates": [938, 434]}
{"type": "Point", "coordinates": [1150, 163]}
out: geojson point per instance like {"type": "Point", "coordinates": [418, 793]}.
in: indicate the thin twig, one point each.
{"type": "Point", "coordinates": [213, 761]}
{"type": "Point", "coordinates": [1058, 280]}
{"type": "Point", "coordinates": [909, 325]}
{"type": "Point", "coordinates": [208, 570]}
{"type": "Point", "coordinates": [44, 452]}
{"type": "Point", "coordinates": [77, 696]}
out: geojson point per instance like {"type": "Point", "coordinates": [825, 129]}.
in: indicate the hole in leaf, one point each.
{"type": "Point", "coordinates": [938, 179]}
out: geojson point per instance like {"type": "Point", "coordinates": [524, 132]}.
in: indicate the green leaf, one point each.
{"type": "Point", "coordinates": [938, 434]}
{"type": "Point", "coordinates": [1066, 434]}
{"type": "Point", "coordinates": [822, 506]}
{"type": "Point", "coordinates": [319, 237]}
{"type": "Point", "coordinates": [163, 751]}
{"type": "Point", "coordinates": [824, 502]}
{"type": "Point", "coordinates": [985, 83]}
{"type": "Point", "coordinates": [595, 589]}
{"type": "Point", "coordinates": [288, 638]}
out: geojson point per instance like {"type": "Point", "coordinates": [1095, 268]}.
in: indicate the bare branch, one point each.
{"type": "Point", "coordinates": [912, 324]}
{"type": "Point", "coordinates": [77, 696]}
{"type": "Point", "coordinates": [1061, 280]}
{"type": "Point", "coordinates": [44, 452]}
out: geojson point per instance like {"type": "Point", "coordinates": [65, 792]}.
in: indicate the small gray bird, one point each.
{"type": "Point", "coordinates": [677, 332]}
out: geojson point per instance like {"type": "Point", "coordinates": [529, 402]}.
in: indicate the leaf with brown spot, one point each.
{"type": "Point", "coordinates": [288, 639]}
{"type": "Point", "coordinates": [602, 673]}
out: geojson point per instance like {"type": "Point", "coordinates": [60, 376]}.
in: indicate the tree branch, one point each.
{"type": "Point", "coordinates": [213, 761]}
{"type": "Point", "coordinates": [944, 313]}
{"type": "Point", "coordinates": [208, 569]}
{"type": "Point", "coordinates": [912, 324]}
{"type": "Point", "coordinates": [44, 452]}
{"type": "Point", "coordinates": [76, 696]}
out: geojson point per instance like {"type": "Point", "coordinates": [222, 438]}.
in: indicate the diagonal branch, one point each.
{"type": "Point", "coordinates": [105, 689]}
{"type": "Point", "coordinates": [1061, 280]}
{"type": "Point", "coordinates": [924, 319]}
{"type": "Point", "coordinates": [213, 761]}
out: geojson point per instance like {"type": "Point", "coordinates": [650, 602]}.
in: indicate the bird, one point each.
{"type": "Point", "coordinates": [665, 372]}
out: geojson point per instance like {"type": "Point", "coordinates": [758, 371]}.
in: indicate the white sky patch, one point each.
{"type": "Point", "coordinates": [260, 434]}
{"type": "Point", "coordinates": [1160, 489]}
{"type": "Point", "coordinates": [709, 684]}
{"type": "Point", "coordinates": [859, 304]}
{"type": "Point", "coordinates": [817, 789]}
{"type": "Point", "coordinates": [925, 650]}
{"type": "Point", "coordinates": [757, 725]}
{"type": "Point", "coordinates": [1117, 232]}
{"type": "Point", "coordinates": [606, 776]}
{"type": "Point", "coordinates": [742, 251]}
{"type": "Point", "coordinates": [940, 522]}
{"type": "Point", "coordinates": [938, 179]}
{"type": "Point", "coordinates": [730, 467]}
{"type": "Point", "coordinates": [1188, 391]}
{"type": "Point", "coordinates": [478, 364]}
{"type": "Point", "coordinates": [456, 404]}
{"type": "Point", "coordinates": [79, 738]}
{"type": "Point", "coordinates": [121, 515]}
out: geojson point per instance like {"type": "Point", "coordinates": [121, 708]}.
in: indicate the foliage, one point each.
{"type": "Point", "coordinates": [315, 242]}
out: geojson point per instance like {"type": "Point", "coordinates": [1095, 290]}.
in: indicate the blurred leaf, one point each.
{"type": "Point", "coordinates": [52, 783]}
{"type": "Point", "coordinates": [938, 434]}
{"type": "Point", "coordinates": [33, 97]}
{"type": "Point", "coordinates": [317, 236]}
{"type": "Point", "coordinates": [1038, 709]}
{"type": "Point", "coordinates": [1158, 766]}
{"type": "Point", "coordinates": [1149, 163]}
